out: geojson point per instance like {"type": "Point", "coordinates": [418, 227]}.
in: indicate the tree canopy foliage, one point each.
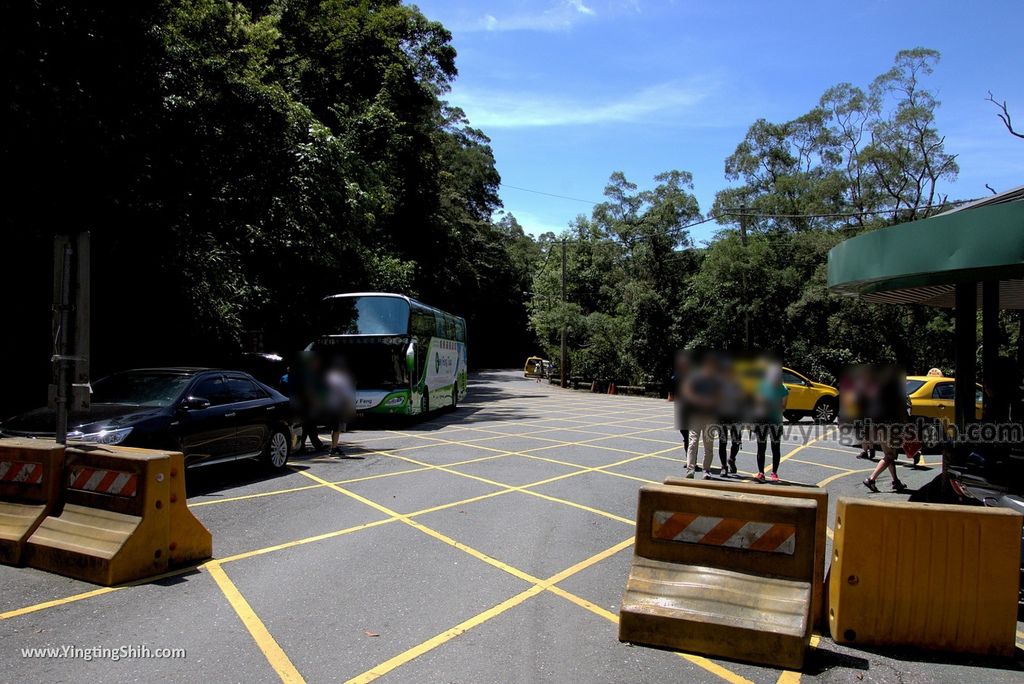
{"type": "Point", "coordinates": [237, 161]}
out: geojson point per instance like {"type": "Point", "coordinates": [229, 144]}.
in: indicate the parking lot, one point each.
{"type": "Point", "coordinates": [491, 543]}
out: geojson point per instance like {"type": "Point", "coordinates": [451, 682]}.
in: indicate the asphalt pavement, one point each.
{"type": "Point", "coordinates": [486, 544]}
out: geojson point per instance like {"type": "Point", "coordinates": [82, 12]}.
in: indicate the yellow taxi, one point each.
{"type": "Point", "coordinates": [806, 397]}
{"type": "Point", "coordinates": [932, 397]}
{"type": "Point", "coordinates": [809, 398]}
{"type": "Point", "coordinates": [536, 367]}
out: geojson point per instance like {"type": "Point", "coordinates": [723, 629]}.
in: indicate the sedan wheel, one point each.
{"type": "Point", "coordinates": [277, 449]}
{"type": "Point", "coordinates": [825, 411]}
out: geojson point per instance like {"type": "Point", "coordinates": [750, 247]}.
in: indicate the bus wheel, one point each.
{"type": "Point", "coordinates": [455, 398]}
{"type": "Point", "coordinates": [425, 401]}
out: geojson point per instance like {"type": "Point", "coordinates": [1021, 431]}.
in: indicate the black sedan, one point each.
{"type": "Point", "coordinates": [210, 415]}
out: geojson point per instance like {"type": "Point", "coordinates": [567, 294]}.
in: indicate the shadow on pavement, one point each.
{"type": "Point", "coordinates": [213, 478]}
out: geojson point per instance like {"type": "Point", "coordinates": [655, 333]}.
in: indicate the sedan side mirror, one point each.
{"type": "Point", "coordinates": [195, 404]}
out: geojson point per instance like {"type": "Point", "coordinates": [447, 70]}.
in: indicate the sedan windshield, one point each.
{"type": "Point", "coordinates": [139, 389]}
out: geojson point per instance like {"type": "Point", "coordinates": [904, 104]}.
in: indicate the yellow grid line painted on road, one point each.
{"type": "Point", "coordinates": [833, 478]}
{"type": "Point", "coordinates": [274, 654]}
{"type": "Point", "coordinates": [479, 555]}
{"type": "Point", "coordinates": [95, 592]}
{"type": "Point", "coordinates": [496, 610]}
{"type": "Point", "coordinates": [339, 482]}
{"type": "Point", "coordinates": [709, 665]}
{"type": "Point", "coordinates": [444, 637]}
{"type": "Point", "coordinates": [446, 467]}
{"type": "Point", "coordinates": [449, 634]}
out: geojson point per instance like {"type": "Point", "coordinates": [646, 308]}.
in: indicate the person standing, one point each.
{"type": "Point", "coordinates": [305, 387]}
{"type": "Point", "coordinates": [340, 405]}
{"type": "Point", "coordinates": [729, 415]}
{"type": "Point", "coordinates": [679, 373]}
{"type": "Point", "coordinates": [772, 396]}
{"type": "Point", "coordinates": [702, 393]}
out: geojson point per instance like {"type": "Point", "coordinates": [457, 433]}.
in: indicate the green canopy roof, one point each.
{"type": "Point", "coordinates": [922, 261]}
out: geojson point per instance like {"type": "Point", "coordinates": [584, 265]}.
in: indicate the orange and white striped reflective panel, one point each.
{"type": "Point", "coordinates": [102, 481]}
{"type": "Point", "coordinates": [25, 473]}
{"type": "Point", "coordinates": [713, 531]}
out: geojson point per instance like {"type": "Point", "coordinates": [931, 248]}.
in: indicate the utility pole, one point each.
{"type": "Point", "coordinates": [69, 391]}
{"type": "Point", "coordinates": [746, 298]}
{"type": "Point", "coordinates": [561, 363]}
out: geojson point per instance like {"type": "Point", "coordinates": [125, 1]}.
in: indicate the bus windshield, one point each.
{"type": "Point", "coordinates": [369, 315]}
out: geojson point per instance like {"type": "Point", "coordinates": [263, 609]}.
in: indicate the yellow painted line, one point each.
{"type": "Point", "coordinates": [459, 629]}
{"type": "Point", "coordinates": [365, 478]}
{"type": "Point", "coordinates": [793, 676]}
{"type": "Point", "coordinates": [94, 592]}
{"type": "Point", "coordinates": [525, 489]}
{"type": "Point", "coordinates": [253, 496]}
{"type": "Point", "coordinates": [57, 602]}
{"type": "Point", "coordinates": [444, 637]}
{"type": "Point", "coordinates": [304, 541]}
{"type": "Point", "coordinates": [823, 465]}
{"type": "Point", "coordinates": [833, 478]}
{"type": "Point", "coordinates": [274, 654]}
{"type": "Point", "coordinates": [704, 663]}
{"type": "Point", "coordinates": [800, 448]}
{"type": "Point", "coordinates": [426, 530]}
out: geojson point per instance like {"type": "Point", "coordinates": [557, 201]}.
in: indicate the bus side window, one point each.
{"type": "Point", "coordinates": [460, 330]}
{"type": "Point", "coordinates": [423, 324]}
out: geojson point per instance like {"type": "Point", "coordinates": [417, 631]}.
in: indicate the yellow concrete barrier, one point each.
{"type": "Point", "coordinates": [29, 489]}
{"type": "Point", "coordinates": [190, 541]}
{"type": "Point", "coordinates": [115, 525]}
{"type": "Point", "coordinates": [925, 575]}
{"type": "Point", "coordinates": [819, 495]}
{"type": "Point", "coordinates": [722, 574]}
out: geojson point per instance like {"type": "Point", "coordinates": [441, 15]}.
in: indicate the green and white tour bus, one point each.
{"type": "Point", "coordinates": [406, 357]}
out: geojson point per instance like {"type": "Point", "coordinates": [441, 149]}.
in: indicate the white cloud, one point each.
{"type": "Point", "coordinates": [526, 110]}
{"type": "Point", "coordinates": [580, 7]}
{"type": "Point", "coordinates": [560, 16]}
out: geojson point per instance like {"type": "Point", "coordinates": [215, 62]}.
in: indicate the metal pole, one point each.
{"type": "Point", "coordinates": [62, 295]}
{"type": "Point", "coordinates": [743, 276]}
{"type": "Point", "coordinates": [989, 343]}
{"type": "Point", "coordinates": [561, 364]}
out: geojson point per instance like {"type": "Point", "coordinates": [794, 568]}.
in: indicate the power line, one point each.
{"type": "Point", "coordinates": [550, 195]}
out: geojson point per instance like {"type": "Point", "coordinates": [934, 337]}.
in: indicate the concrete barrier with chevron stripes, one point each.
{"type": "Point", "coordinates": [819, 495]}
{"type": "Point", "coordinates": [29, 491]}
{"type": "Point", "coordinates": [722, 573]}
{"type": "Point", "coordinates": [124, 518]}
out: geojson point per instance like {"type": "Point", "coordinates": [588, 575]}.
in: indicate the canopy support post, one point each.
{"type": "Point", "coordinates": [966, 318]}
{"type": "Point", "coordinates": [990, 340]}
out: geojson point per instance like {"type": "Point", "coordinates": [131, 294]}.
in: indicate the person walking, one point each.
{"type": "Point", "coordinates": [886, 411]}
{"type": "Point", "coordinates": [772, 396]}
{"type": "Point", "coordinates": [702, 394]}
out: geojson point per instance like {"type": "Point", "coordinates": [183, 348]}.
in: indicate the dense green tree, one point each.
{"type": "Point", "coordinates": [237, 161]}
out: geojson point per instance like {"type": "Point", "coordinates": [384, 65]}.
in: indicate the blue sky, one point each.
{"type": "Point", "coordinates": [571, 90]}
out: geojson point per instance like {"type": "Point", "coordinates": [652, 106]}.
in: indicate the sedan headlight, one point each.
{"type": "Point", "coordinates": [101, 437]}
